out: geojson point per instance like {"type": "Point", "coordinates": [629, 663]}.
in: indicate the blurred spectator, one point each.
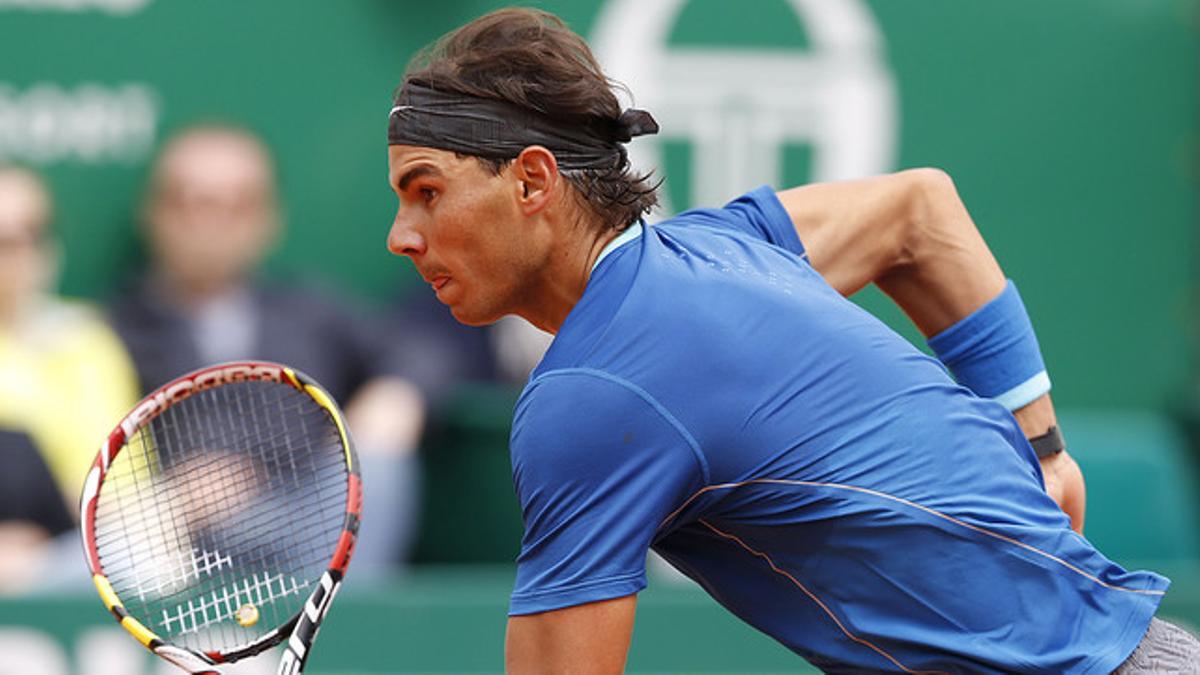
{"type": "Point", "coordinates": [446, 353]}
{"type": "Point", "coordinates": [209, 218]}
{"type": "Point", "coordinates": [65, 381]}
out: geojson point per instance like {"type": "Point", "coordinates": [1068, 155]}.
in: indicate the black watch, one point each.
{"type": "Point", "coordinates": [1049, 443]}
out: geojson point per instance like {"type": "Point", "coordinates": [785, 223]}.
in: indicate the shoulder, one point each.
{"type": "Point", "coordinates": [595, 419]}
{"type": "Point", "coordinates": [73, 337]}
{"type": "Point", "coordinates": [73, 322]}
{"type": "Point", "coordinates": [758, 214]}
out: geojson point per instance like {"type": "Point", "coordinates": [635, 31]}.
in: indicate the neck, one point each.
{"type": "Point", "coordinates": [566, 276]}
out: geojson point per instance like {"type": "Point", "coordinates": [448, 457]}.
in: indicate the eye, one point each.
{"type": "Point", "coordinates": [427, 193]}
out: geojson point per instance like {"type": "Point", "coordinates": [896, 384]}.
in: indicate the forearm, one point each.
{"type": "Point", "coordinates": [947, 272]}
{"type": "Point", "coordinates": [1036, 418]}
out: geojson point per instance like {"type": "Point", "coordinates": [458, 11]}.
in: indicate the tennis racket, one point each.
{"type": "Point", "coordinates": [220, 515]}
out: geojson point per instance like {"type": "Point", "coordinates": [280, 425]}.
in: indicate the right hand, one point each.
{"type": "Point", "coordinates": [1064, 484]}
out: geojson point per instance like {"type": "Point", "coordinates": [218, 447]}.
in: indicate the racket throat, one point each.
{"type": "Point", "coordinates": [298, 645]}
{"type": "Point", "coordinates": [186, 659]}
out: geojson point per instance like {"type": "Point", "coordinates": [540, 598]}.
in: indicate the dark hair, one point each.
{"type": "Point", "coordinates": [530, 58]}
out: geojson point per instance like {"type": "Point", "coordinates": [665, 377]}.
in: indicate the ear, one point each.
{"type": "Point", "coordinates": [536, 171]}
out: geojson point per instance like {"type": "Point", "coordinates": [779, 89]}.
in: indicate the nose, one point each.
{"type": "Point", "coordinates": [404, 239]}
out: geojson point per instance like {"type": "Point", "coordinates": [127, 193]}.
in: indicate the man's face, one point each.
{"type": "Point", "coordinates": [464, 230]}
{"type": "Point", "coordinates": [213, 215]}
{"type": "Point", "coordinates": [25, 261]}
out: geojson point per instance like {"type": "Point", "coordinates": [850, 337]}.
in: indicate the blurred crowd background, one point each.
{"type": "Point", "coordinates": [183, 183]}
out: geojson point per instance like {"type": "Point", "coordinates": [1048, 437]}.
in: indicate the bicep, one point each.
{"type": "Point", "coordinates": [590, 638]}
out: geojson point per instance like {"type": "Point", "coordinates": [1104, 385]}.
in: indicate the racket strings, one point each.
{"type": "Point", "coordinates": [192, 500]}
{"type": "Point", "coordinates": [233, 497]}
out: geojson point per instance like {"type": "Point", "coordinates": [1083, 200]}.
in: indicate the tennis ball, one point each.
{"type": "Point", "coordinates": [247, 615]}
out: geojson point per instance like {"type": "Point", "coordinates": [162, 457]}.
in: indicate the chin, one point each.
{"type": "Point", "coordinates": [468, 318]}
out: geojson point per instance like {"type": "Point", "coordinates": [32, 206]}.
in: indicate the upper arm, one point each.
{"type": "Point", "coordinates": [590, 638]}
{"type": "Point", "coordinates": [852, 232]}
{"type": "Point", "coordinates": [907, 232]}
{"type": "Point", "coordinates": [855, 230]}
{"type": "Point", "coordinates": [597, 468]}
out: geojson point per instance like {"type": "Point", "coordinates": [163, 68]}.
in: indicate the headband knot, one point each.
{"type": "Point", "coordinates": [493, 129]}
{"type": "Point", "coordinates": [633, 123]}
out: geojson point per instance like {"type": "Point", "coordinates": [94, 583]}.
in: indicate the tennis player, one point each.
{"type": "Point", "coordinates": [712, 396]}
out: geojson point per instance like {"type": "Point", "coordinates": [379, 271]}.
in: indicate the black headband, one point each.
{"type": "Point", "coordinates": [493, 129]}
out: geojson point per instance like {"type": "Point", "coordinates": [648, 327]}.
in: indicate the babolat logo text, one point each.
{"type": "Point", "coordinates": [183, 388]}
{"type": "Point", "coordinates": [306, 628]}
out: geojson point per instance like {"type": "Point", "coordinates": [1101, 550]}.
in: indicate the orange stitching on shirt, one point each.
{"type": "Point", "coordinates": [926, 509]}
{"type": "Point", "coordinates": [820, 604]}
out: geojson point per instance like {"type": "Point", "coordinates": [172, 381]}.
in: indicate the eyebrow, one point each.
{"type": "Point", "coordinates": [414, 173]}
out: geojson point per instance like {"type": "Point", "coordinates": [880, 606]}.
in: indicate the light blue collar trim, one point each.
{"type": "Point", "coordinates": [632, 232]}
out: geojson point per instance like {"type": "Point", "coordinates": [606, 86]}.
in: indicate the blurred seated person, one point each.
{"type": "Point", "coordinates": [31, 512]}
{"type": "Point", "coordinates": [65, 381]}
{"type": "Point", "coordinates": [446, 354]}
{"type": "Point", "coordinates": [210, 216]}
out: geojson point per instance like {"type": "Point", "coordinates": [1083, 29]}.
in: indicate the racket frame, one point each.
{"type": "Point", "coordinates": [301, 629]}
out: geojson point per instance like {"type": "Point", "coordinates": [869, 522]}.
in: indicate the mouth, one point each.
{"type": "Point", "coordinates": [438, 282]}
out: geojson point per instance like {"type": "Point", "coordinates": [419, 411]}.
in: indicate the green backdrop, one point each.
{"type": "Point", "coordinates": [1070, 127]}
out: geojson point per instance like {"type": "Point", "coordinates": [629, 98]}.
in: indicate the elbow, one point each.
{"type": "Point", "coordinates": [929, 180]}
{"type": "Point", "coordinates": [929, 192]}
{"type": "Point", "coordinates": [931, 210]}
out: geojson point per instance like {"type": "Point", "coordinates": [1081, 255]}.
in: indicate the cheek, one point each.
{"type": "Point", "coordinates": [474, 233]}
{"type": "Point", "coordinates": [500, 257]}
